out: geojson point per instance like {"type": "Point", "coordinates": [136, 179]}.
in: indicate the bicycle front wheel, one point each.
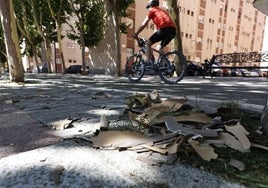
{"type": "Point", "coordinates": [135, 68]}
{"type": "Point", "coordinates": [172, 67]}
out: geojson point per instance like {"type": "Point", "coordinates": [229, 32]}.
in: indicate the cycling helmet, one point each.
{"type": "Point", "coordinates": [152, 3]}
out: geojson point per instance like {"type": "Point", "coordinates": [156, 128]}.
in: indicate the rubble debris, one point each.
{"type": "Point", "coordinates": [205, 151]}
{"type": "Point", "coordinates": [173, 126]}
{"type": "Point", "coordinates": [259, 146]}
{"type": "Point", "coordinates": [240, 133]}
{"type": "Point", "coordinates": [118, 139]}
{"type": "Point", "coordinates": [174, 147]}
{"type": "Point", "coordinates": [56, 174]}
{"type": "Point", "coordinates": [101, 95]}
{"type": "Point", "coordinates": [156, 149]}
{"type": "Point", "coordinates": [210, 110]}
{"type": "Point", "coordinates": [61, 124]}
{"type": "Point", "coordinates": [226, 139]}
{"type": "Point", "coordinates": [237, 164]}
{"type": "Point", "coordinates": [64, 124]}
{"type": "Point", "coordinates": [177, 126]}
{"type": "Point", "coordinates": [141, 101]}
{"type": "Point", "coordinates": [193, 117]}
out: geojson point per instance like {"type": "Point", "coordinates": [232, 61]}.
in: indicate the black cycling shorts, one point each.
{"type": "Point", "coordinates": [165, 35]}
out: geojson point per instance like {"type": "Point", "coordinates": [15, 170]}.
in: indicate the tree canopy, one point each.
{"type": "Point", "coordinates": [39, 23]}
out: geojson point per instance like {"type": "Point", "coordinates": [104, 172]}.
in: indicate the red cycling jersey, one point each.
{"type": "Point", "coordinates": [160, 18]}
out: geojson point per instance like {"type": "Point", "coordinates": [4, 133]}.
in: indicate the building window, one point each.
{"type": "Point", "coordinates": [129, 52]}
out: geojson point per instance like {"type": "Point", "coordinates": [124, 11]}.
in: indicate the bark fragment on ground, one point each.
{"type": "Point", "coordinates": [177, 125]}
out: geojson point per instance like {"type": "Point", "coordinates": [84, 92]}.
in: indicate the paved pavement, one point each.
{"type": "Point", "coordinates": [32, 155]}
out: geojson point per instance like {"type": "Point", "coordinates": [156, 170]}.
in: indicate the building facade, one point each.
{"type": "Point", "coordinates": [211, 27]}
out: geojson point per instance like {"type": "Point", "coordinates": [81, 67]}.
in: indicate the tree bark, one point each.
{"type": "Point", "coordinates": [176, 16]}
{"type": "Point", "coordinates": [264, 118]}
{"type": "Point", "coordinates": [16, 71]}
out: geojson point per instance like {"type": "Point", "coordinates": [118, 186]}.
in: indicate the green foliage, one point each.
{"type": "Point", "coordinates": [232, 104]}
{"type": "Point", "coordinates": [91, 21]}
{"type": "Point", "coordinates": [32, 15]}
{"type": "Point", "coordinates": [119, 9]}
{"type": "Point", "coordinates": [94, 24]}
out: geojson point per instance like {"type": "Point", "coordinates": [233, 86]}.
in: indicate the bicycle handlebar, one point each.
{"type": "Point", "coordinates": [141, 41]}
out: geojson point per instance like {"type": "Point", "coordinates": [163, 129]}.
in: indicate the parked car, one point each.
{"type": "Point", "coordinates": [74, 69]}
{"type": "Point", "coordinates": [255, 73]}
{"type": "Point", "coordinates": [44, 69]}
{"type": "Point", "coordinates": [226, 72]}
{"type": "Point", "coordinates": [216, 71]}
{"type": "Point", "coordinates": [236, 72]}
{"type": "Point", "coordinates": [194, 69]}
{"type": "Point", "coordinates": [245, 72]}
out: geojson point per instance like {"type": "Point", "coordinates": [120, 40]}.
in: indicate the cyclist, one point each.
{"type": "Point", "coordinates": [166, 28]}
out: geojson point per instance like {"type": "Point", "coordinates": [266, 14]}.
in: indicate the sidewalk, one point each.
{"type": "Point", "coordinates": [33, 155]}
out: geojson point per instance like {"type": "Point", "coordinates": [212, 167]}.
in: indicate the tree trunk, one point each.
{"type": "Point", "coordinates": [176, 16]}
{"type": "Point", "coordinates": [36, 58]}
{"type": "Point", "coordinates": [116, 21]}
{"type": "Point", "coordinates": [16, 71]}
{"type": "Point", "coordinates": [174, 11]}
{"type": "Point", "coordinates": [60, 47]}
{"type": "Point", "coordinates": [82, 40]}
{"type": "Point", "coordinates": [264, 118]}
{"type": "Point", "coordinates": [48, 54]}
{"type": "Point", "coordinates": [118, 44]}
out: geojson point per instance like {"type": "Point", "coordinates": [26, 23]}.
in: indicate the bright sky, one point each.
{"type": "Point", "coordinates": [265, 39]}
{"type": "Point", "coordinates": [265, 42]}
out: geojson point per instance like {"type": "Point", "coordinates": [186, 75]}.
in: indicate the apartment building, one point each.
{"type": "Point", "coordinates": [208, 27]}
{"type": "Point", "coordinates": [211, 27]}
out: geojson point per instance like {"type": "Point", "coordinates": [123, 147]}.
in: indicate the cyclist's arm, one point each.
{"type": "Point", "coordinates": [143, 25]}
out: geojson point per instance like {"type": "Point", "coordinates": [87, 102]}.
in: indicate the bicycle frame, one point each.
{"type": "Point", "coordinates": [163, 64]}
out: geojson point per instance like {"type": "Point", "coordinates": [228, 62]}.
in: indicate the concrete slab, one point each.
{"type": "Point", "coordinates": [19, 131]}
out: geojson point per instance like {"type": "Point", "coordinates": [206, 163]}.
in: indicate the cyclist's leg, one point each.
{"type": "Point", "coordinates": [168, 33]}
{"type": "Point", "coordinates": [148, 50]}
{"type": "Point", "coordinates": [156, 37]}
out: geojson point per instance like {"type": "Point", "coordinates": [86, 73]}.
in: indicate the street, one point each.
{"type": "Point", "coordinates": [46, 99]}
{"type": "Point", "coordinates": [245, 90]}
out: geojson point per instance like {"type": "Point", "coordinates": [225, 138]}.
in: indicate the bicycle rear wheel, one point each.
{"type": "Point", "coordinates": [135, 68]}
{"type": "Point", "coordinates": [172, 67]}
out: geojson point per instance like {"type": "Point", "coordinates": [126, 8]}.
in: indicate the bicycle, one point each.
{"type": "Point", "coordinates": [170, 66]}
